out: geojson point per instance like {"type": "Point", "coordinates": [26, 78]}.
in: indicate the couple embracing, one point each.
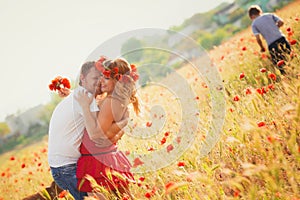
{"type": "Point", "coordinates": [86, 125]}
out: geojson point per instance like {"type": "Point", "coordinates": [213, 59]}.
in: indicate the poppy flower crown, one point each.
{"type": "Point", "coordinates": [103, 64]}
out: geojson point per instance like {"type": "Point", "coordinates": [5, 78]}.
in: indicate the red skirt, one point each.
{"type": "Point", "coordinates": [108, 166]}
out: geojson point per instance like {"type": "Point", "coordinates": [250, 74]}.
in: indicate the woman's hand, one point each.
{"type": "Point", "coordinates": [84, 99]}
{"type": "Point", "coordinates": [100, 98]}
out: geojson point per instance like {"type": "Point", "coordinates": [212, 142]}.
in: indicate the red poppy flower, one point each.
{"type": "Point", "coordinates": [270, 139]}
{"type": "Point", "coordinates": [163, 140]}
{"type": "Point", "coordinates": [248, 91]}
{"type": "Point", "coordinates": [242, 75]}
{"type": "Point", "coordinates": [280, 63]}
{"type": "Point", "coordinates": [106, 73]}
{"type": "Point", "coordinates": [272, 76]}
{"type": "Point", "coordinates": [261, 124]}
{"type": "Point", "coordinates": [263, 70]}
{"type": "Point", "coordinates": [271, 86]}
{"type": "Point", "coordinates": [134, 76]}
{"type": "Point", "coordinates": [102, 59]}
{"type": "Point", "coordinates": [291, 33]}
{"type": "Point", "coordinates": [126, 197]}
{"type": "Point", "coordinates": [167, 134]}
{"type": "Point", "coordinates": [66, 83]}
{"type": "Point", "coordinates": [149, 124]}
{"type": "Point", "coordinates": [180, 164]}
{"type": "Point", "coordinates": [178, 139]}
{"type": "Point", "coordinates": [150, 149]}
{"type": "Point", "coordinates": [44, 150]}
{"type": "Point", "coordinates": [115, 70]}
{"type": "Point", "coordinates": [58, 83]}
{"type": "Point", "coordinates": [23, 165]}
{"type": "Point", "coordinates": [292, 42]}
{"type": "Point", "coordinates": [99, 66]}
{"type": "Point", "coordinates": [259, 91]}
{"type": "Point", "coordinates": [264, 56]}
{"type": "Point", "coordinates": [262, 91]}
{"type": "Point", "coordinates": [137, 162]}
{"type": "Point", "coordinates": [170, 147]}
{"type": "Point", "coordinates": [142, 178]}
{"type": "Point", "coordinates": [63, 194]}
{"type": "Point", "coordinates": [148, 195]}
{"type": "Point", "coordinates": [133, 67]}
{"type": "Point", "coordinates": [236, 193]}
{"type": "Point", "coordinates": [288, 29]}
{"type": "Point", "coordinates": [169, 187]}
{"type": "Point", "coordinates": [236, 98]}
{"type": "Point", "coordinates": [12, 158]}
{"type": "Point", "coordinates": [51, 87]}
{"type": "Point", "coordinates": [244, 48]}
{"type": "Point", "coordinates": [169, 184]}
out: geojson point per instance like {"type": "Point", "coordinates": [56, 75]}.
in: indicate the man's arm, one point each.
{"type": "Point", "coordinates": [279, 23]}
{"type": "Point", "coordinates": [260, 43]}
{"type": "Point", "coordinates": [101, 127]}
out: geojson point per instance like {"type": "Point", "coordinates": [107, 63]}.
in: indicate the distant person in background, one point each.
{"type": "Point", "coordinates": [66, 131]}
{"type": "Point", "coordinates": [267, 25]}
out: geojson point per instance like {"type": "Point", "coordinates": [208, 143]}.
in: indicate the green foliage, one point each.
{"type": "Point", "coordinates": [132, 50]}
{"type": "Point", "coordinates": [36, 133]}
{"type": "Point", "coordinates": [236, 14]}
{"type": "Point", "coordinates": [208, 40]}
{"type": "Point", "coordinates": [4, 129]}
{"type": "Point", "coordinates": [245, 21]}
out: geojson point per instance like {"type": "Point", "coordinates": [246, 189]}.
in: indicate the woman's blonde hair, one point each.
{"type": "Point", "coordinates": [125, 87]}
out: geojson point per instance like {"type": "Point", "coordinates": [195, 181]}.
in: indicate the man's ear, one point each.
{"type": "Point", "coordinates": [81, 78]}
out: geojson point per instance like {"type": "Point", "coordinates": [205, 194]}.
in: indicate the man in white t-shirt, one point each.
{"type": "Point", "coordinates": [66, 131]}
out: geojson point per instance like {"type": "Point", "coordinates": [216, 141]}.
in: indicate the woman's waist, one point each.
{"type": "Point", "coordinates": [92, 151]}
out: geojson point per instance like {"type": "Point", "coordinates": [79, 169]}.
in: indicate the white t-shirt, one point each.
{"type": "Point", "coordinates": [66, 131]}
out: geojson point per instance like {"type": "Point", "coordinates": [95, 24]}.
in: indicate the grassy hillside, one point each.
{"type": "Point", "coordinates": [257, 156]}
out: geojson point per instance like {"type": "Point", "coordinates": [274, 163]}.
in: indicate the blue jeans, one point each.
{"type": "Point", "coordinates": [65, 178]}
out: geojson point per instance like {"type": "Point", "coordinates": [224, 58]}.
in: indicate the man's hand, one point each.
{"type": "Point", "coordinates": [124, 121]}
{"type": "Point", "coordinates": [64, 92]}
{"type": "Point", "coordinates": [84, 99]}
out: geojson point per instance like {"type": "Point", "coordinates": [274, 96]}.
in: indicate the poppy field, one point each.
{"type": "Point", "coordinates": [256, 157]}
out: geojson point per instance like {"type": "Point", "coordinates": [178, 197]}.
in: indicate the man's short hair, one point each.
{"type": "Point", "coordinates": [254, 10]}
{"type": "Point", "coordinates": [85, 68]}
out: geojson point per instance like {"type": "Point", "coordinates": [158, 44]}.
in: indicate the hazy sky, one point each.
{"type": "Point", "coordinates": [42, 39]}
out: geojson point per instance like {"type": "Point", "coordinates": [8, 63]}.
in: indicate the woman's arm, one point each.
{"type": "Point", "coordinates": [110, 111]}
{"type": "Point", "coordinates": [101, 126]}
